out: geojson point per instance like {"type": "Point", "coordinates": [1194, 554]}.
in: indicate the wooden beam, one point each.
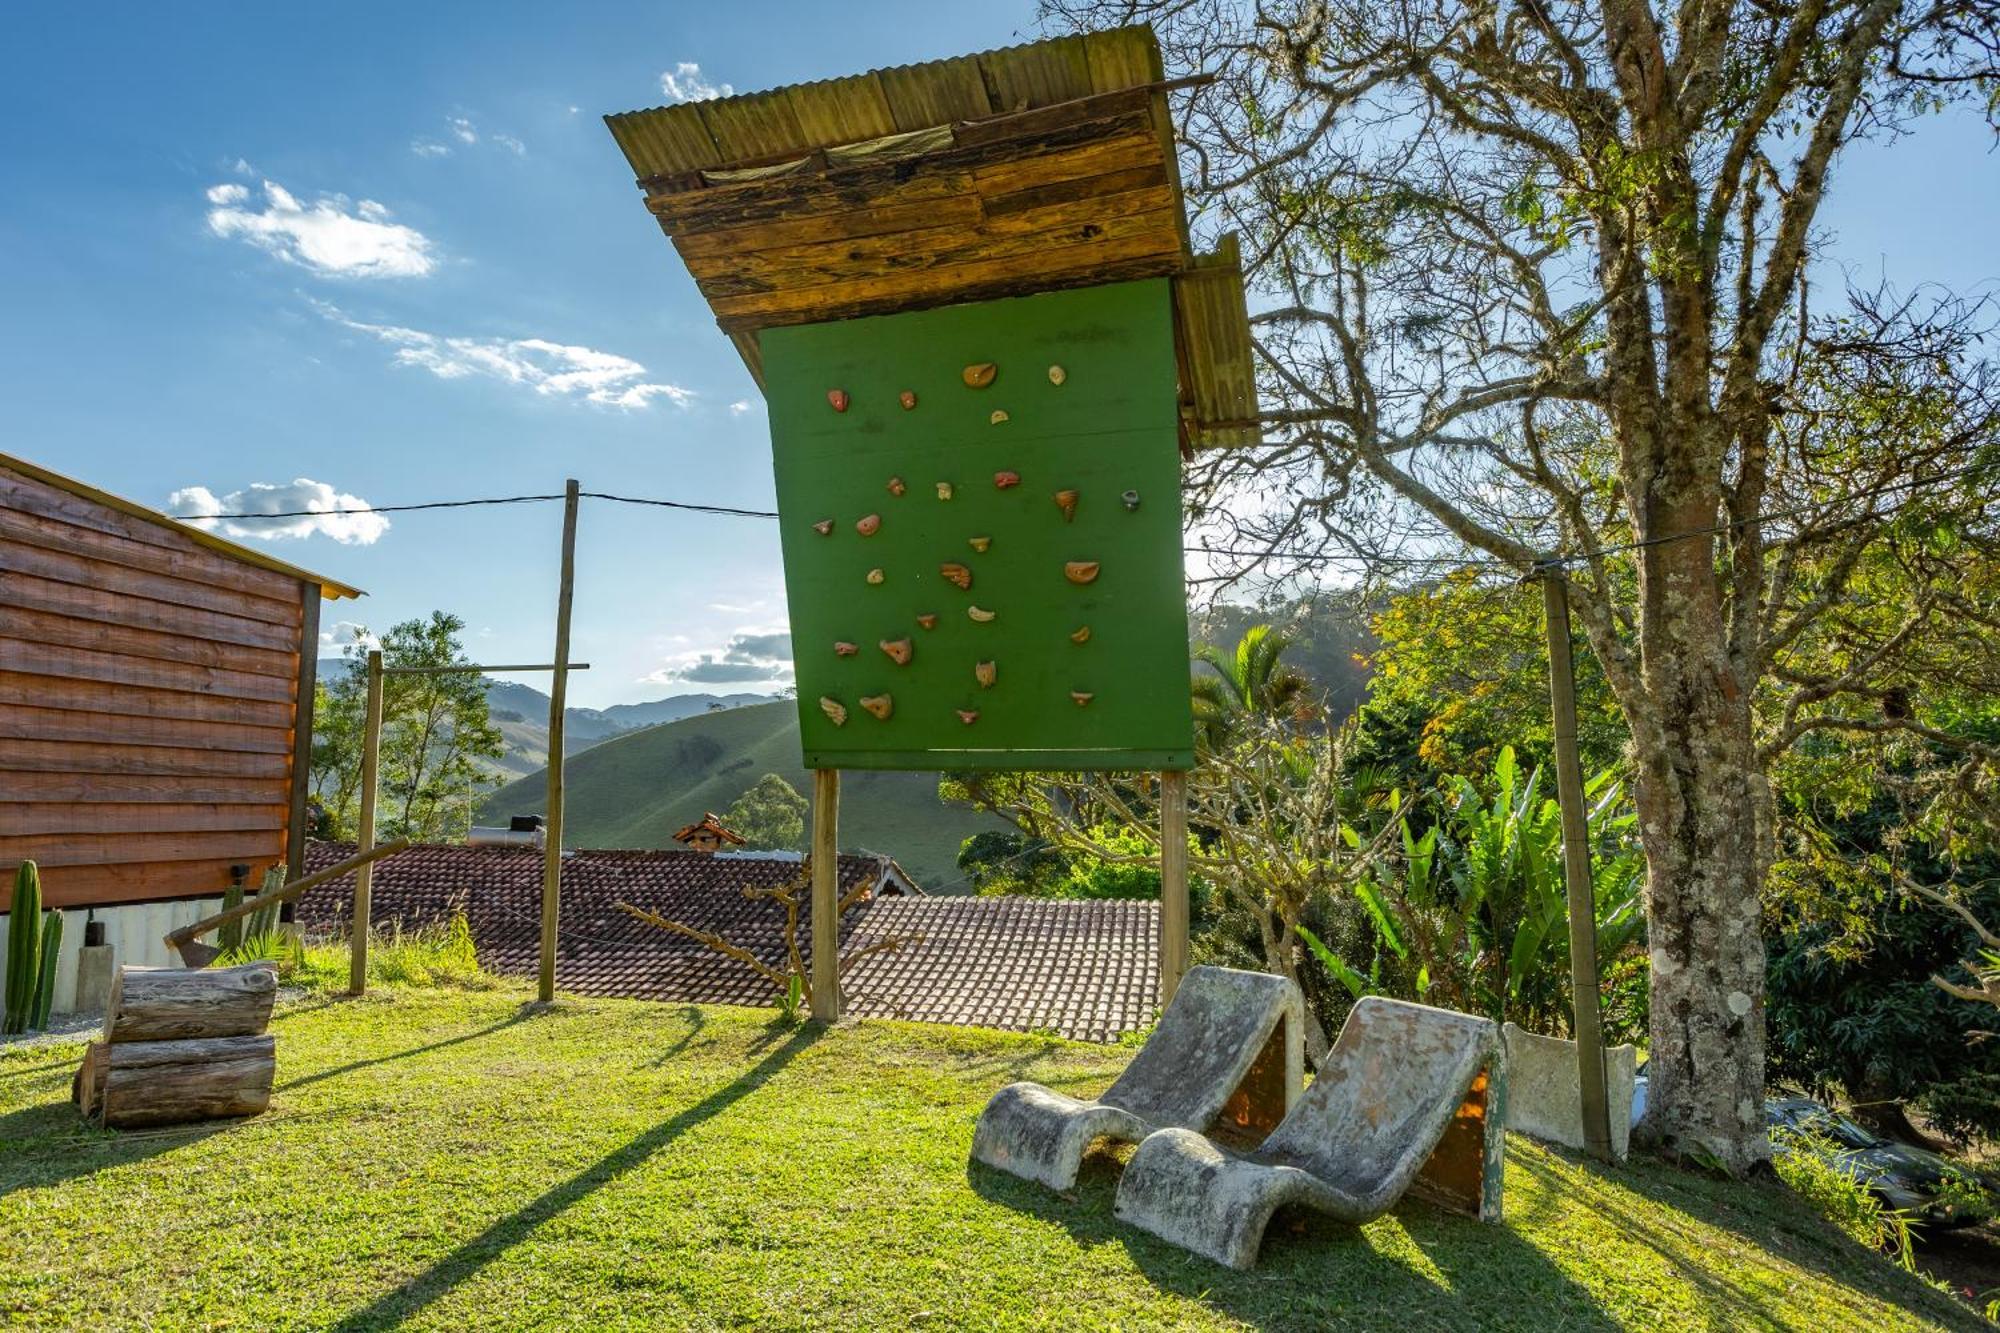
{"type": "Point", "coordinates": [1586, 1023]}
{"type": "Point", "coordinates": [302, 733]}
{"type": "Point", "coordinates": [360, 862]}
{"type": "Point", "coordinates": [826, 997]}
{"type": "Point", "coordinates": [364, 842]}
{"type": "Point", "coordinates": [558, 694]}
{"type": "Point", "coordinates": [1173, 883]}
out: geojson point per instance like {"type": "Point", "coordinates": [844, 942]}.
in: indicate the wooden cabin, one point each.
{"type": "Point", "coordinates": [156, 687]}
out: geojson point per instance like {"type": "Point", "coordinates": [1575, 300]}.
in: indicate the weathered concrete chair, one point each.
{"type": "Point", "coordinates": [1225, 1055]}
{"type": "Point", "coordinates": [1409, 1098]}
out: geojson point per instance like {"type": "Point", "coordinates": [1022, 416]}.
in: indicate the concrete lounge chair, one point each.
{"type": "Point", "coordinates": [1410, 1097]}
{"type": "Point", "coordinates": [1226, 1054]}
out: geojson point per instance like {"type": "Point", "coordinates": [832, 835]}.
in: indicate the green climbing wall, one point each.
{"type": "Point", "coordinates": [1118, 698]}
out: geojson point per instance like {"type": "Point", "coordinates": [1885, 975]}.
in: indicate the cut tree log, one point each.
{"type": "Point", "coordinates": [133, 1084]}
{"type": "Point", "coordinates": [172, 1003]}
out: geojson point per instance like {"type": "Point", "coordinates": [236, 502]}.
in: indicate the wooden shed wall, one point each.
{"type": "Point", "coordinates": [149, 699]}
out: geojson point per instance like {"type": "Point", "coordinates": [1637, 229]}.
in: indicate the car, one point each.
{"type": "Point", "coordinates": [1910, 1180]}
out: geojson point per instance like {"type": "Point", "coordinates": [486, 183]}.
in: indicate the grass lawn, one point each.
{"type": "Point", "coordinates": [451, 1159]}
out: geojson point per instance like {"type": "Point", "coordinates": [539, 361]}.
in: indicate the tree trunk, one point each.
{"type": "Point", "coordinates": [134, 1084]}
{"type": "Point", "coordinates": [168, 1003]}
{"type": "Point", "coordinates": [1700, 794]}
{"type": "Point", "coordinates": [1279, 958]}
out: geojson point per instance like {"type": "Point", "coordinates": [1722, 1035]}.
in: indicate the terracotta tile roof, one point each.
{"type": "Point", "coordinates": [711, 825]}
{"type": "Point", "coordinates": [1088, 970]}
{"type": "Point", "coordinates": [1082, 969]}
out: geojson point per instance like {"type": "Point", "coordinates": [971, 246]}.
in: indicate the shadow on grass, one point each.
{"type": "Point", "coordinates": [525, 1011]}
{"type": "Point", "coordinates": [1775, 1221]}
{"type": "Point", "coordinates": [462, 1264]}
{"type": "Point", "coordinates": [50, 1143]}
{"type": "Point", "coordinates": [1314, 1272]}
{"type": "Point", "coordinates": [696, 1020]}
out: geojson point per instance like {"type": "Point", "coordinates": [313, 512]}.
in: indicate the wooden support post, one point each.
{"type": "Point", "coordinates": [364, 878]}
{"type": "Point", "coordinates": [826, 998]}
{"type": "Point", "coordinates": [302, 731]}
{"type": "Point", "coordinates": [1173, 883]}
{"type": "Point", "coordinates": [558, 696]}
{"type": "Point", "coordinates": [1586, 1024]}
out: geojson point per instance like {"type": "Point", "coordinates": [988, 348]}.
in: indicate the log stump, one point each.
{"type": "Point", "coordinates": [177, 1003]}
{"type": "Point", "coordinates": [133, 1084]}
{"type": "Point", "coordinates": [180, 1045]}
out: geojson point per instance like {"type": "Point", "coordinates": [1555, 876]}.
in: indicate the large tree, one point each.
{"type": "Point", "coordinates": [1532, 278]}
{"type": "Point", "coordinates": [435, 729]}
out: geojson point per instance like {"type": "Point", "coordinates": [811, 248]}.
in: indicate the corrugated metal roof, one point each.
{"type": "Point", "coordinates": [806, 117]}
{"type": "Point", "coordinates": [331, 589]}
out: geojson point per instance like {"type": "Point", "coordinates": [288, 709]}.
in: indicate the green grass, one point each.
{"type": "Point", "coordinates": [636, 790]}
{"type": "Point", "coordinates": [453, 1159]}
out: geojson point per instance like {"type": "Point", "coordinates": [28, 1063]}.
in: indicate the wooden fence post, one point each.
{"type": "Point", "coordinates": [826, 998]}
{"type": "Point", "coordinates": [371, 763]}
{"type": "Point", "coordinates": [558, 705]}
{"type": "Point", "coordinates": [1586, 1024]}
{"type": "Point", "coordinates": [1173, 883]}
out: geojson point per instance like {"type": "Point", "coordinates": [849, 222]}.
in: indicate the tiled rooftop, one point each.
{"type": "Point", "coordinates": [1082, 969]}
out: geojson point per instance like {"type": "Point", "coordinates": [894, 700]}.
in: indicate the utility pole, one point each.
{"type": "Point", "coordinates": [1586, 1024]}
{"type": "Point", "coordinates": [558, 694]}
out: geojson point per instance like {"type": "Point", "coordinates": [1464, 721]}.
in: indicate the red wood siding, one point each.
{"type": "Point", "coordinates": [148, 702]}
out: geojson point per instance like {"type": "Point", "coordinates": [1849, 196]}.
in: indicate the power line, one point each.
{"type": "Point", "coordinates": [1410, 562]}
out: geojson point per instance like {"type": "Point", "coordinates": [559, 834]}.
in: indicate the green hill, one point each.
{"type": "Point", "coordinates": [636, 790]}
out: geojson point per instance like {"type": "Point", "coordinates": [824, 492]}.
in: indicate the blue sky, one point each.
{"type": "Point", "coordinates": [392, 249]}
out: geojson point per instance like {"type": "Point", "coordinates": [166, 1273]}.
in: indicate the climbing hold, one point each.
{"type": "Point", "coordinates": [907, 399]}
{"type": "Point", "coordinates": [967, 715]}
{"type": "Point", "coordinates": [979, 544]}
{"type": "Point", "coordinates": [824, 527]}
{"type": "Point", "coordinates": [1081, 571]}
{"type": "Point", "coordinates": [944, 490]}
{"type": "Point", "coordinates": [867, 526]}
{"type": "Point", "coordinates": [956, 574]}
{"type": "Point", "coordinates": [875, 576]}
{"type": "Point", "coordinates": [834, 710]}
{"type": "Point", "coordinates": [896, 486]}
{"type": "Point", "coordinates": [1066, 501]}
{"type": "Point", "coordinates": [980, 374]}
{"type": "Point", "coordinates": [878, 706]}
{"type": "Point", "coordinates": [838, 397]}
{"type": "Point", "coordinates": [999, 415]}
{"type": "Point", "coordinates": [1081, 634]}
{"type": "Point", "coordinates": [1004, 480]}
{"type": "Point", "coordinates": [1082, 697]}
{"type": "Point", "coordinates": [979, 614]}
{"type": "Point", "coordinates": [1057, 374]}
{"type": "Point", "coordinates": [985, 673]}
{"type": "Point", "coordinates": [1130, 499]}
{"type": "Point", "coordinates": [898, 650]}
{"type": "Point", "coordinates": [928, 620]}
{"type": "Point", "coordinates": [845, 649]}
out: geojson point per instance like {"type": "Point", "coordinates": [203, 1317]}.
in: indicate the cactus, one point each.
{"type": "Point", "coordinates": [45, 981]}
{"type": "Point", "coordinates": [24, 941]}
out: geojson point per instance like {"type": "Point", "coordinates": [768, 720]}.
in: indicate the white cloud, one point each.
{"type": "Point", "coordinates": [325, 236]}
{"type": "Point", "coordinates": [739, 407]}
{"type": "Point", "coordinates": [243, 168]}
{"type": "Point", "coordinates": [312, 505]}
{"type": "Point", "coordinates": [462, 130]}
{"type": "Point", "coordinates": [558, 370]}
{"type": "Point", "coordinates": [345, 632]}
{"type": "Point", "coordinates": [511, 144]}
{"type": "Point", "coordinates": [686, 83]}
{"type": "Point", "coordinates": [430, 148]}
{"type": "Point", "coordinates": [751, 657]}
